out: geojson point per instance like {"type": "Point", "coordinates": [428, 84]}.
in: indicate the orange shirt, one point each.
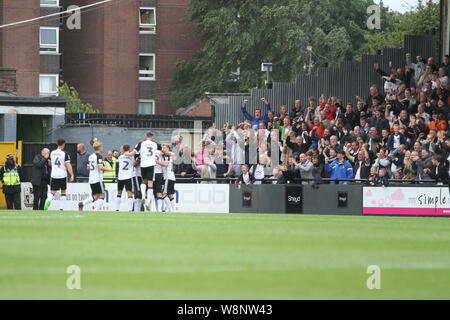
{"type": "Point", "coordinates": [440, 125]}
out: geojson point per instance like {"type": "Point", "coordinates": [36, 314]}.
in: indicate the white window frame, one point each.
{"type": "Point", "coordinates": [49, 46]}
{"type": "Point", "coordinates": [142, 25]}
{"type": "Point", "coordinates": [143, 72]}
{"type": "Point", "coordinates": [48, 94]}
{"type": "Point", "coordinates": [49, 4]}
{"type": "Point", "coordinates": [147, 101]}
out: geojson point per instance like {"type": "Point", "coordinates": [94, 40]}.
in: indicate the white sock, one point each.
{"type": "Point", "coordinates": [137, 204]}
{"type": "Point", "coordinates": [62, 202]}
{"type": "Point", "coordinates": [130, 203]}
{"type": "Point", "coordinates": [143, 189]}
{"type": "Point", "coordinates": [50, 197]}
{"type": "Point", "coordinates": [150, 197]}
{"type": "Point", "coordinates": [172, 202]}
{"type": "Point", "coordinates": [159, 203]}
{"type": "Point", "coordinates": [118, 201]}
{"type": "Point", "coordinates": [88, 200]}
{"type": "Point", "coordinates": [99, 204]}
{"type": "Point", "coordinates": [168, 205]}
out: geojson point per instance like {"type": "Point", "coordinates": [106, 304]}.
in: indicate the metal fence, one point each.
{"type": "Point", "coordinates": [352, 78]}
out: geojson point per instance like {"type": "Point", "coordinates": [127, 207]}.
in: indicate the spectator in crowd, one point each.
{"type": "Point", "coordinates": [340, 168]}
{"type": "Point", "coordinates": [381, 179]}
{"type": "Point", "coordinates": [11, 177]}
{"type": "Point", "coordinates": [395, 139]}
{"type": "Point", "coordinates": [207, 170]}
{"type": "Point", "coordinates": [245, 177]}
{"type": "Point", "coordinates": [372, 176]}
{"type": "Point", "coordinates": [297, 110]}
{"type": "Point", "coordinates": [257, 118]}
{"type": "Point", "coordinates": [438, 171]}
{"type": "Point", "coordinates": [306, 167]}
{"type": "Point", "coordinates": [116, 155]}
{"type": "Point", "coordinates": [361, 167]}
{"type": "Point", "coordinates": [82, 163]}
{"type": "Point", "coordinates": [40, 178]}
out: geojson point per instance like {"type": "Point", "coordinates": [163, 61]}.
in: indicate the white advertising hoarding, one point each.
{"type": "Point", "coordinates": [201, 198]}
{"type": "Point", "coordinates": [406, 200]}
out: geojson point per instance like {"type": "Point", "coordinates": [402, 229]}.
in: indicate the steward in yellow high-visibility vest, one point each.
{"type": "Point", "coordinates": [109, 176]}
{"type": "Point", "coordinates": [11, 176]}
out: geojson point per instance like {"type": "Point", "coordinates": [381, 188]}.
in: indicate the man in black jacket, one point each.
{"type": "Point", "coordinates": [11, 177]}
{"type": "Point", "coordinates": [40, 179]}
{"type": "Point", "coordinates": [245, 177]}
{"type": "Point", "coordinates": [438, 170]}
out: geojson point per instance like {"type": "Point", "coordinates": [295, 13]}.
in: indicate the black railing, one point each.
{"type": "Point", "coordinates": [136, 120]}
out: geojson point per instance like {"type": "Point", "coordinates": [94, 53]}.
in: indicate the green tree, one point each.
{"type": "Point", "coordinates": [74, 103]}
{"type": "Point", "coordinates": [417, 21]}
{"type": "Point", "coordinates": [244, 33]}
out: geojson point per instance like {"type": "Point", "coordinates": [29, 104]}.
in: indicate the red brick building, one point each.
{"type": "Point", "coordinates": [120, 60]}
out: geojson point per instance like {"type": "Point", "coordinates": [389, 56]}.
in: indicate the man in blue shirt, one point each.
{"type": "Point", "coordinates": [340, 168]}
{"type": "Point", "coordinates": [256, 119]}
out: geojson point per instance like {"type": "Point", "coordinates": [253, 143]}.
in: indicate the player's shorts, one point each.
{"type": "Point", "coordinates": [136, 183]}
{"type": "Point", "coordinates": [169, 187]}
{"type": "Point", "coordinates": [58, 184]}
{"type": "Point", "coordinates": [125, 183]}
{"type": "Point", "coordinates": [158, 184]}
{"type": "Point", "coordinates": [147, 173]}
{"type": "Point", "coordinates": [98, 188]}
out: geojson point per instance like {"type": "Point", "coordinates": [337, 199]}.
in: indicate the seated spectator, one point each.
{"type": "Point", "coordinates": [340, 168]}
{"type": "Point", "coordinates": [381, 179]}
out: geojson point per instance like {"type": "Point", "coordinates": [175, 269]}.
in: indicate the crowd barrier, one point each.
{"type": "Point", "coordinates": [352, 199]}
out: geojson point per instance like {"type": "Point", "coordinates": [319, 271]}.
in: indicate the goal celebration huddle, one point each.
{"type": "Point", "coordinates": [145, 173]}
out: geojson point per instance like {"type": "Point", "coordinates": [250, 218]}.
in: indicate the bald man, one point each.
{"type": "Point", "coordinates": [82, 162]}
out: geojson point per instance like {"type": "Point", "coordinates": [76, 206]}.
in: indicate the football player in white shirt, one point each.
{"type": "Point", "coordinates": [125, 169]}
{"type": "Point", "coordinates": [158, 181]}
{"type": "Point", "coordinates": [96, 168]}
{"type": "Point", "coordinates": [60, 163]}
{"type": "Point", "coordinates": [147, 149]}
{"type": "Point", "coordinates": [169, 176]}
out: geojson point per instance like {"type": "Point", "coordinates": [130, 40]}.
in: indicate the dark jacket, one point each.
{"type": "Point", "coordinates": [241, 179]}
{"type": "Point", "coordinates": [439, 173]}
{"type": "Point", "coordinates": [380, 123]}
{"type": "Point", "coordinates": [11, 189]}
{"type": "Point", "coordinates": [295, 147]}
{"type": "Point", "coordinates": [82, 162]}
{"type": "Point", "coordinates": [365, 169]}
{"type": "Point", "coordinates": [40, 172]}
{"type": "Point", "coordinates": [390, 142]}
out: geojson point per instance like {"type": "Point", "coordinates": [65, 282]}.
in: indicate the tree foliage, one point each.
{"type": "Point", "coordinates": [74, 103]}
{"type": "Point", "coordinates": [418, 21]}
{"type": "Point", "coordinates": [244, 33]}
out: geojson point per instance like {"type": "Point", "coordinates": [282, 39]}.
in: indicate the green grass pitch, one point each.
{"type": "Point", "coordinates": [222, 256]}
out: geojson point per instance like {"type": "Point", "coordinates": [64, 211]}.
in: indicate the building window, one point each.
{"type": "Point", "coordinates": [146, 66]}
{"type": "Point", "coordinates": [48, 84]}
{"type": "Point", "coordinates": [49, 40]}
{"type": "Point", "coordinates": [146, 107]}
{"type": "Point", "coordinates": [147, 20]}
{"type": "Point", "coordinates": [50, 3]}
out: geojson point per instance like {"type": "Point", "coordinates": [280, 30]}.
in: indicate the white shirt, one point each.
{"type": "Point", "coordinates": [396, 141]}
{"type": "Point", "coordinates": [148, 150]}
{"type": "Point", "coordinates": [168, 171]}
{"type": "Point", "coordinates": [158, 168]}
{"type": "Point", "coordinates": [95, 174]}
{"type": "Point", "coordinates": [59, 158]}
{"type": "Point", "coordinates": [125, 167]}
{"type": "Point", "coordinates": [258, 172]}
{"type": "Point", "coordinates": [246, 178]}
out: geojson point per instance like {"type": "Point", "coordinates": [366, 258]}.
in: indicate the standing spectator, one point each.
{"type": "Point", "coordinates": [446, 65]}
{"type": "Point", "coordinates": [297, 111]}
{"type": "Point", "coordinates": [245, 177]}
{"type": "Point", "coordinates": [11, 177]}
{"type": "Point", "coordinates": [340, 168]}
{"type": "Point", "coordinates": [40, 178]}
{"type": "Point", "coordinates": [306, 169]}
{"type": "Point", "coordinates": [395, 139]}
{"type": "Point", "coordinates": [438, 171]}
{"type": "Point", "coordinates": [256, 119]}
{"type": "Point", "coordinates": [379, 121]}
{"type": "Point", "coordinates": [82, 163]}
{"type": "Point", "coordinates": [361, 168]}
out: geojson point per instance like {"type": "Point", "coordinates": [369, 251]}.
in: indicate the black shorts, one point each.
{"type": "Point", "coordinates": [98, 188]}
{"type": "Point", "coordinates": [158, 185]}
{"type": "Point", "coordinates": [147, 173]}
{"type": "Point", "coordinates": [136, 184]}
{"type": "Point", "coordinates": [169, 187]}
{"type": "Point", "coordinates": [58, 184]}
{"type": "Point", "coordinates": [125, 183]}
